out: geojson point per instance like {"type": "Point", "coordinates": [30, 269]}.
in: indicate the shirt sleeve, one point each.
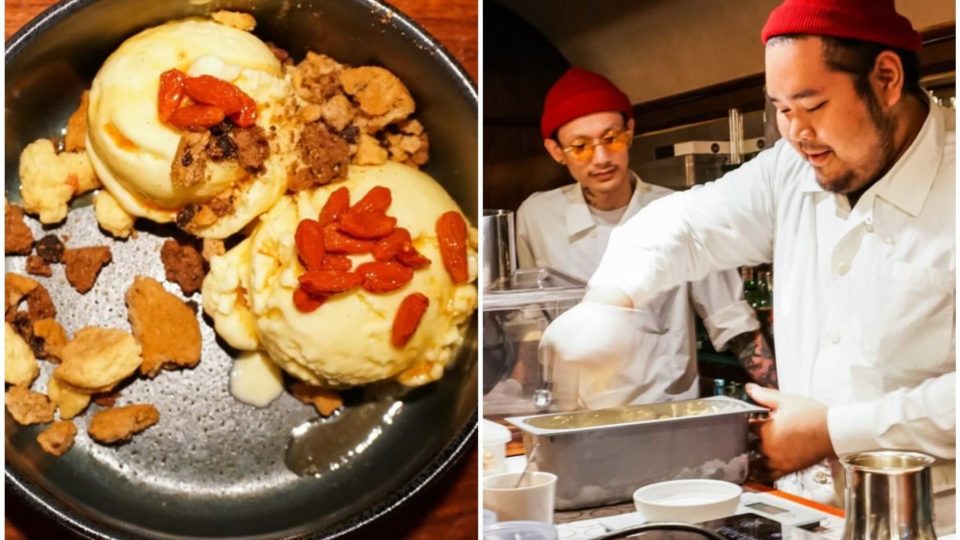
{"type": "Point", "coordinates": [525, 256]}
{"type": "Point", "coordinates": [718, 300]}
{"type": "Point", "coordinates": [920, 418]}
{"type": "Point", "coordinates": [684, 236]}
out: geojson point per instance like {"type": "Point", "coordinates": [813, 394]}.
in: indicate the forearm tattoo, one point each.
{"type": "Point", "coordinates": [756, 357]}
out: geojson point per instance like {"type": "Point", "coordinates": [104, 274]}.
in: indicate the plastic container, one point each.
{"type": "Point", "coordinates": [603, 456]}
{"type": "Point", "coordinates": [495, 439]}
{"type": "Point", "coordinates": [687, 501]}
{"type": "Point", "coordinates": [520, 530]}
{"type": "Point", "coordinates": [489, 518]}
{"type": "Point", "coordinates": [516, 310]}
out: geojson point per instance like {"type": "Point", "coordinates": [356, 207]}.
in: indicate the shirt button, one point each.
{"type": "Point", "coordinates": [835, 338]}
{"type": "Point", "coordinates": [888, 241]}
{"type": "Point", "coordinates": [868, 226]}
{"type": "Point", "coordinates": [821, 477]}
{"type": "Point", "coordinates": [842, 268]}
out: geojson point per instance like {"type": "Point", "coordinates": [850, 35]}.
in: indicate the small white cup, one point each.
{"type": "Point", "coordinates": [532, 501]}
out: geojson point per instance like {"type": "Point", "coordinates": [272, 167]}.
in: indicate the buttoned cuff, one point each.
{"type": "Point", "coordinates": [729, 322]}
{"type": "Point", "coordinates": [851, 428]}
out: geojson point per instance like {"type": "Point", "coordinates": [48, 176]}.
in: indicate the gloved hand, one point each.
{"type": "Point", "coordinates": [594, 333]}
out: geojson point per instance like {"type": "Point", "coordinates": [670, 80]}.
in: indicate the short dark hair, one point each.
{"type": "Point", "coordinates": [857, 59]}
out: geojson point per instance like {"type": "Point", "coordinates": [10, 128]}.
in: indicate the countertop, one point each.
{"type": "Point", "coordinates": [449, 508]}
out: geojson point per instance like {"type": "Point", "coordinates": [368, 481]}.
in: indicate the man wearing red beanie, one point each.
{"type": "Point", "coordinates": [855, 208]}
{"type": "Point", "coordinates": [587, 127]}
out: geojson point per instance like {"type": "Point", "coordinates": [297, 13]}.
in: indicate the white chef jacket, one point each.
{"type": "Point", "coordinates": [864, 313]}
{"type": "Point", "coordinates": [556, 229]}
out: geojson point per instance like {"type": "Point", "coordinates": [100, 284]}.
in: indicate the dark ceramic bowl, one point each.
{"type": "Point", "coordinates": [213, 467]}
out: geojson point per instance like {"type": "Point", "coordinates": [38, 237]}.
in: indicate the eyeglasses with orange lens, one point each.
{"type": "Point", "coordinates": [614, 141]}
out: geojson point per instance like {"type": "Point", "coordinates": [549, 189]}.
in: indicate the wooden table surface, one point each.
{"type": "Point", "coordinates": [449, 508]}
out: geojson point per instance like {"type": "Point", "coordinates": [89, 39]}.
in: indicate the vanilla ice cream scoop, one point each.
{"type": "Point", "coordinates": [347, 341]}
{"type": "Point", "coordinates": [132, 150]}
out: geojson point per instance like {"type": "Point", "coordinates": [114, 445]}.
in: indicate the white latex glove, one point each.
{"type": "Point", "coordinates": [594, 333]}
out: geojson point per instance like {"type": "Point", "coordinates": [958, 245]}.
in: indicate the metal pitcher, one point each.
{"type": "Point", "coordinates": [499, 251]}
{"type": "Point", "coordinates": [888, 496]}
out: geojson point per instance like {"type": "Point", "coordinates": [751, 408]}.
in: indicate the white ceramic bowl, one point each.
{"type": "Point", "coordinates": [687, 501]}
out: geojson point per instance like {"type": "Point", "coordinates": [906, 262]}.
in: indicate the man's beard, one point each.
{"type": "Point", "coordinates": [886, 126]}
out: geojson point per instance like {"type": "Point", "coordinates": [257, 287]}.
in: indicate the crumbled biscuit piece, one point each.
{"type": "Point", "coordinates": [68, 399]}
{"type": "Point", "coordinates": [58, 438]}
{"type": "Point", "coordinates": [16, 287]}
{"type": "Point", "coordinates": [369, 151]}
{"type": "Point", "coordinates": [410, 127]}
{"type": "Point", "coordinates": [281, 54]}
{"type": "Point", "coordinates": [20, 366]}
{"type": "Point", "coordinates": [108, 399]}
{"type": "Point", "coordinates": [49, 180]}
{"type": "Point", "coordinates": [325, 401]}
{"type": "Point", "coordinates": [97, 359]}
{"type": "Point", "coordinates": [315, 78]}
{"type": "Point", "coordinates": [111, 216]}
{"type": "Point", "coordinates": [166, 328]}
{"type": "Point", "coordinates": [325, 155]}
{"type": "Point", "coordinates": [311, 113]}
{"type": "Point", "coordinates": [17, 237]}
{"type": "Point", "coordinates": [74, 141]}
{"type": "Point", "coordinates": [22, 325]}
{"type": "Point", "coordinates": [29, 407]}
{"type": "Point", "coordinates": [51, 338]}
{"type": "Point", "coordinates": [38, 267]}
{"type": "Point", "coordinates": [50, 248]}
{"type": "Point", "coordinates": [381, 95]}
{"type": "Point", "coordinates": [212, 248]}
{"type": "Point", "coordinates": [183, 264]}
{"type": "Point", "coordinates": [189, 165]}
{"type": "Point", "coordinates": [337, 112]}
{"type": "Point", "coordinates": [122, 423]}
{"type": "Point", "coordinates": [84, 265]}
{"type": "Point", "coordinates": [40, 305]}
{"type": "Point", "coordinates": [253, 149]}
{"type": "Point", "coordinates": [235, 19]}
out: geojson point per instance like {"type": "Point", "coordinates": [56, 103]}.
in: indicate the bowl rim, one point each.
{"type": "Point", "coordinates": [736, 491]}
{"type": "Point", "coordinates": [550, 478]}
{"type": "Point", "coordinates": [448, 456]}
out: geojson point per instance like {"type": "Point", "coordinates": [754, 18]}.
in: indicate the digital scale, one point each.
{"type": "Point", "coordinates": [760, 516]}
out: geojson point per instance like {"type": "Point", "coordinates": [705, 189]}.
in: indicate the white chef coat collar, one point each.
{"type": "Point", "coordinates": [579, 218]}
{"type": "Point", "coordinates": [908, 182]}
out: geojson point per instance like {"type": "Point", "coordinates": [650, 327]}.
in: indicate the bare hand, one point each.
{"type": "Point", "coordinates": [795, 435]}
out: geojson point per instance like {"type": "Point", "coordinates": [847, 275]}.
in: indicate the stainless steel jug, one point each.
{"type": "Point", "coordinates": [499, 249]}
{"type": "Point", "coordinates": [889, 495]}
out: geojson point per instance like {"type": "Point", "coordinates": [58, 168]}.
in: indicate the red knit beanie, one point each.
{"type": "Point", "coordinates": [578, 93]}
{"type": "Point", "coordinates": [876, 21]}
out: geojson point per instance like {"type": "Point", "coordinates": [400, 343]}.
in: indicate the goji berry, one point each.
{"type": "Point", "coordinates": [408, 317]}
{"type": "Point", "coordinates": [338, 202]}
{"type": "Point", "coordinates": [336, 242]}
{"type": "Point", "coordinates": [336, 262]}
{"type": "Point", "coordinates": [381, 277]}
{"type": "Point", "coordinates": [234, 102]}
{"type": "Point", "coordinates": [306, 302]}
{"type": "Point", "coordinates": [367, 225]}
{"type": "Point", "coordinates": [325, 282]}
{"type": "Point", "coordinates": [196, 117]}
{"type": "Point", "coordinates": [399, 246]}
{"type": "Point", "coordinates": [377, 199]}
{"type": "Point", "coordinates": [452, 238]}
{"type": "Point", "coordinates": [309, 240]}
{"type": "Point", "coordinates": [171, 93]}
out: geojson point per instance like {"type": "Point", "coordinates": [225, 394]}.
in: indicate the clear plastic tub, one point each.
{"type": "Point", "coordinates": [495, 439]}
{"type": "Point", "coordinates": [520, 530]}
{"type": "Point", "coordinates": [515, 313]}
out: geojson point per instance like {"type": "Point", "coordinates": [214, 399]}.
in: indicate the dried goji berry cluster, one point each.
{"type": "Point", "coordinates": [213, 100]}
{"type": "Point", "coordinates": [340, 230]}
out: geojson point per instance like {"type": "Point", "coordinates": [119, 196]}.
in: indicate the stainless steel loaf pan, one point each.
{"type": "Point", "coordinates": [601, 457]}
